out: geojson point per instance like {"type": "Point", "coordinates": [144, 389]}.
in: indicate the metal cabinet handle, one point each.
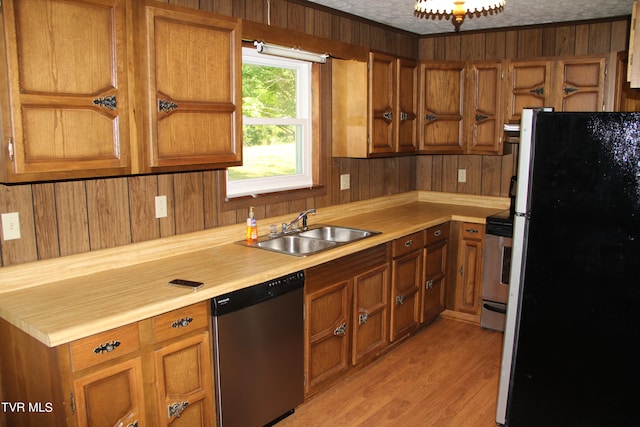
{"type": "Point", "coordinates": [567, 90]}
{"type": "Point", "coordinates": [182, 323]}
{"type": "Point", "coordinates": [108, 102]}
{"type": "Point", "coordinates": [107, 347]}
{"type": "Point", "coordinates": [388, 115]}
{"type": "Point", "coordinates": [437, 233]}
{"type": "Point", "coordinates": [404, 116]}
{"type": "Point", "coordinates": [538, 91]}
{"type": "Point", "coordinates": [363, 317]}
{"type": "Point", "coordinates": [429, 284]}
{"type": "Point", "coordinates": [399, 299]}
{"type": "Point", "coordinates": [341, 330]}
{"type": "Point", "coordinates": [176, 409]}
{"type": "Point", "coordinates": [166, 106]}
{"type": "Point", "coordinates": [133, 424]}
{"type": "Point", "coordinates": [480, 117]}
{"type": "Point", "coordinates": [430, 117]}
{"type": "Point", "coordinates": [408, 243]}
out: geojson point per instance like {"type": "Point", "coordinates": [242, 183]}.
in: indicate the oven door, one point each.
{"type": "Point", "coordinates": [497, 267]}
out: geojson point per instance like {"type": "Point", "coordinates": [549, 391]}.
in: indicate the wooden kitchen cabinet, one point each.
{"type": "Point", "coordinates": [465, 293]}
{"type": "Point", "coordinates": [115, 87]}
{"type": "Point", "coordinates": [566, 84]}
{"type": "Point", "coordinates": [192, 68]}
{"type": "Point", "coordinates": [461, 108]}
{"type": "Point", "coordinates": [346, 315]}
{"type": "Point", "coordinates": [374, 106]}
{"type": "Point", "coordinates": [436, 252]}
{"type": "Point", "coordinates": [130, 376]}
{"type": "Point", "coordinates": [406, 282]}
{"type": "Point", "coordinates": [65, 101]}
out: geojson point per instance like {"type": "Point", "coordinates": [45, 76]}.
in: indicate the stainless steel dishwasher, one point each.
{"type": "Point", "coordinates": [258, 346]}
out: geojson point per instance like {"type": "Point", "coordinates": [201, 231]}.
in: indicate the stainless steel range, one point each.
{"type": "Point", "coordinates": [497, 267]}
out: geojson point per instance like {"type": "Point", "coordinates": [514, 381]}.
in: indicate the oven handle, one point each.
{"type": "Point", "coordinates": [495, 309]}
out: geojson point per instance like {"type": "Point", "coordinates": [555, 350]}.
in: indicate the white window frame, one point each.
{"type": "Point", "coordinates": [303, 179]}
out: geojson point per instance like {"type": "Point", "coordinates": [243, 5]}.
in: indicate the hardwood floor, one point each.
{"type": "Point", "coordinates": [445, 375]}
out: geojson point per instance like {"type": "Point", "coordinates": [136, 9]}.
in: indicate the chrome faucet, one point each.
{"type": "Point", "coordinates": [293, 225]}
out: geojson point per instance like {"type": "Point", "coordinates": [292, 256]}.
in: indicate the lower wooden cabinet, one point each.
{"type": "Point", "coordinates": [435, 272]}
{"type": "Point", "coordinates": [465, 294]}
{"type": "Point", "coordinates": [156, 372]}
{"type": "Point", "coordinates": [345, 315]}
{"type": "Point", "coordinates": [406, 282]}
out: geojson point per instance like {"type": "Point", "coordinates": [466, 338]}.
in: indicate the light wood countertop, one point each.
{"type": "Point", "coordinates": [61, 300]}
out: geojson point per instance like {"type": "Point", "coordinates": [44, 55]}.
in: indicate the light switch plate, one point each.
{"type": "Point", "coordinates": [10, 226]}
{"type": "Point", "coordinates": [345, 181]}
{"type": "Point", "coordinates": [462, 175]}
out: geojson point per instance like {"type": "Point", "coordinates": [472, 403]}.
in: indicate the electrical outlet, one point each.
{"type": "Point", "coordinates": [345, 181]}
{"type": "Point", "coordinates": [10, 226]}
{"type": "Point", "coordinates": [161, 206]}
{"type": "Point", "coordinates": [462, 175]}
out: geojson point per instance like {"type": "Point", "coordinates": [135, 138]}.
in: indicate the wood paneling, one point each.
{"type": "Point", "coordinates": [65, 218]}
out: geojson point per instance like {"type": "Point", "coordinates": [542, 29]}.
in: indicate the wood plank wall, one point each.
{"type": "Point", "coordinates": [65, 218]}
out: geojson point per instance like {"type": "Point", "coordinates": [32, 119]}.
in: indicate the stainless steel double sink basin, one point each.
{"type": "Point", "coordinates": [316, 239]}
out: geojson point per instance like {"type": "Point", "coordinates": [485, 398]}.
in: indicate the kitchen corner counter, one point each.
{"type": "Point", "coordinates": [64, 299]}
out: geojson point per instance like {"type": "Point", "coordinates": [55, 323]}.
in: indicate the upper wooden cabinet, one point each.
{"type": "Point", "coordinates": [78, 73]}
{"type": "Point", "coordinates": [374, 106]}
{"type": "Point", "coordinates": [442, 97]}
{"type": "Point", "coordinates": [192, 72]}
{"type": "Point", "coordinates": [633, 72]}
{"type": "Point", "coordinates": [461, 108]}
{"type": "Point", "coordinates": [65, 106]}
{"type": "Point", "coordinates": [566, 84]}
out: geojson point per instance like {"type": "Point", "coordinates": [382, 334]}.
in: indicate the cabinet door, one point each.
{"type": "Point", "coordinates": [327, 333]}
{"type": "Point", "coordinates": [68, 89]}
{"type": "Point", "coordinates": [185, 382]}
{"type": "Point", "coordinates": [405, 287]}
{"type": "Point", "coordinates": [407, 108]}
{"type": "Point", "coordinates": [470, 269]}
{"type": "Point", "coordinates": [528, 86]}
{"type": "Point", "coordinates": [485, 115]}
{"type": "Point", "coordinates": [370, 296]}
{"type": "Point", "coordinates": [581, 84]}
{"type": "Point", "coordinates": [435, 269]}
{"type": "Point", "coordinates": [193, 74]}
{"type": "Point", "coordinates": [442, 108]}
{"type": "Point", "coordinates": [111, 396]}
{"type": "Point", "coordinates": [382, 78]}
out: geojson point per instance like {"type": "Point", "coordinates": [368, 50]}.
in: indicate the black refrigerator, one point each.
{"type": "Point", "coordinates": [571, 353]}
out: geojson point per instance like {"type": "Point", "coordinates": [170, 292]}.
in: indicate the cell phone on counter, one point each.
{"type": "Point", "coordinates": [186, 284]}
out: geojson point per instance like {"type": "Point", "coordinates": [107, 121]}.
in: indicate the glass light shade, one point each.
{"type": "Point", "coordinates": [457, 8]}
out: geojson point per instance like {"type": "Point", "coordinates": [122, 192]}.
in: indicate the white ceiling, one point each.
{"type": "Point", "coordinates": [400, 13]}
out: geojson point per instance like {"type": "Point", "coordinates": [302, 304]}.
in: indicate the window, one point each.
{"type": "Point", "coordinates": [277, 137]}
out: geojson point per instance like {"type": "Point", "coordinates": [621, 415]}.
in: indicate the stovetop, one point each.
{"type": "Point", "coordinates": [500, 224]}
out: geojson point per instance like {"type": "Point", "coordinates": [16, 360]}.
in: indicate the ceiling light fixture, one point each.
{"type": "Point", "coordinates": [270, 49]}
{"type": "Point", "coordinates": [457, 9]}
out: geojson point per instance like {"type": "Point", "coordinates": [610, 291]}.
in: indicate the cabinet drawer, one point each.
{"type": "Point", "coordinates": [438, 233]}
{"type": "Point", "coordinates": [181, 321]}
{"type": "Point", "coordinates": [104, 346]}
{"type": "Point", "coordinates": [408, 243]}
{"type": "Point", "coordinates": [472, 231]}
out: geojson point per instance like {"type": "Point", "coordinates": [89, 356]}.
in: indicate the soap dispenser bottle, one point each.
{"type": "Point", "coordinates": [252, 226]}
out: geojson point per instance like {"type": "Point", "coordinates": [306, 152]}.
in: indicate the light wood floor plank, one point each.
{"type": "Point", "coordinates": [444, 376]}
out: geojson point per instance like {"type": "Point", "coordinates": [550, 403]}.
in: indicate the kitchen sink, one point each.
{"type": "Point", "coordinates": [337, 234]}
{"type": "Point", "coordinates": [313, 240]}
{"type": "Point", "coordinates": [295, 245]}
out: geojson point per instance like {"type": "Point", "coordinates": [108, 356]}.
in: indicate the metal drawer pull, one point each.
{"type": "Point", "coordinates": [400, 299]}
{"type": "Point", "coordinates": [107, 347]}
{"type": "Point", "coordinates": [176, 409]}
{"type": "Point", "coordinates": [408, 243]}
{"type": "Point", "coordinates": [437, 233]}
{"type": "Point", "coordinates": [182, 323]}
{"type": "Point", "coordinates": [362, 318]}
{"type": "Point", "coordinates": [472, 230]}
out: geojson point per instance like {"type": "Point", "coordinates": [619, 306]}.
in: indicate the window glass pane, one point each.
{"type": "Point", "coordinates": [268, 91]}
